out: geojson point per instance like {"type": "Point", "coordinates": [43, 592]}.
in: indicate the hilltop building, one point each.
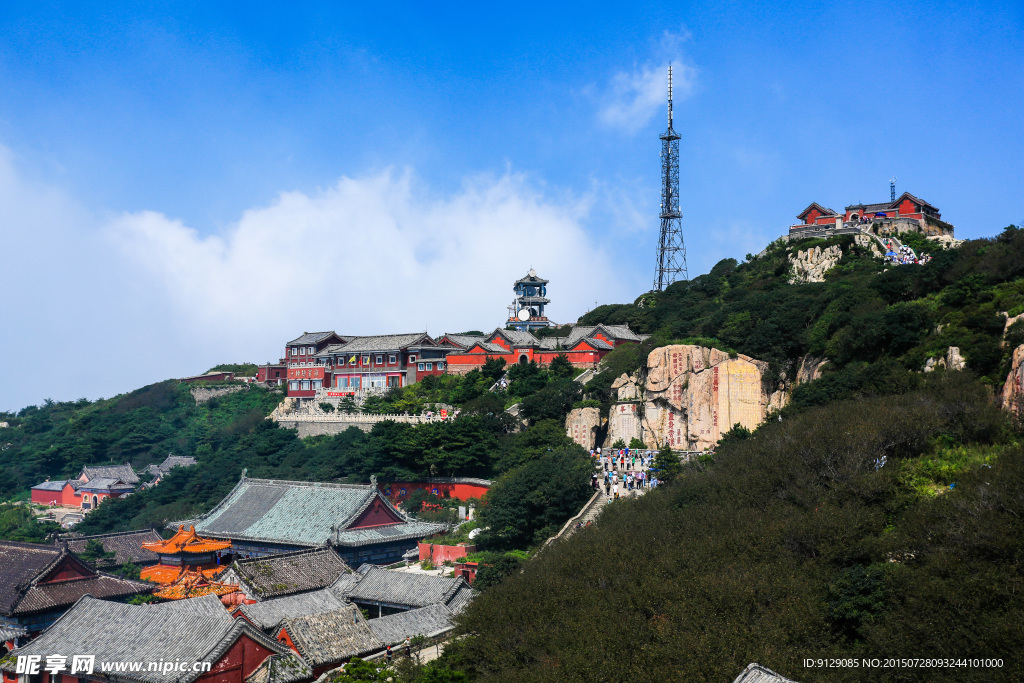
{"type": "Point", "coordinates": [526, 312]}
{"type": "Point", "coordinates": [265, 517]}
{"type": "Point", "coordinates": [902, 214]}
{"type": "Point", "coordinates": [584, 346]}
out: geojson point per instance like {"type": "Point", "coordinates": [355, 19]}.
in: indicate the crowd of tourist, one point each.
{"type": "Point", "coordinates": [904, 255]}
{"type": "Point", "coordinates": [625, 467]}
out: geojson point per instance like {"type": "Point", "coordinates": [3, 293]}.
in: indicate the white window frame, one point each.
{"type": "Point", "coordinates": [295, 351]}
{"type": "Point", "coordinates": [430, 366]}
{"type": "Point", "coordinates": [412, 357]}
{"type": "Point", "coordinates": [420, 367]}
{"type": "Point", "coordinates": [379, 360]}
{"type": "Point", "coordinates": [293, 385]}
{"type": "Point", "coordinates": [366, 360]}
{"type": "Point", "coordinates": [305, 385]}
{"type": "Point", "coordinates": [392, 359]}
{"type": "Point", "coordinates": [302, 350]}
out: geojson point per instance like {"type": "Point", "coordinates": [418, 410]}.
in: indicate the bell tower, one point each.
{"type": "Point", "coordinates": [526, 312]}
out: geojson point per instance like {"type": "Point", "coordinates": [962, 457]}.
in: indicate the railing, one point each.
{"type": "Point", "coordinates": [366, 418]}
{"type": "Point", "coordinates": [593, 502]}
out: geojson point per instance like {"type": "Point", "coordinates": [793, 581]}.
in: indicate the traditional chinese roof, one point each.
{"type": "Point", "coordinates": [123, 472]}
{"type": "Point", "coordinates": [269, 613]}
{"type": "Point", "coordinates": [186, 541]}
{"type": "Point", "coordinates": [190, 584]}
{"type": "Point", "coordinates": [57, 485]}
{"type": "Point", "coordinates": [407, 590]}
{"type": "Point", "coordinates": [311, 338]}
{"type": "Point", "coordinates": [105, 484]}
{"type": "Point", "coordinates": [127, 545]}
{"type": "Point", "coordinates": [871, 208]}
{"type": "Point", "coordinates": [281, 669]}
{"type": "Point", "coordinates": [518, 338]}
{"type": "Point", "coordinates": [821, 209]}
{"type": "Point", "coordinates": [531, 278]}
{"type": "Point", "coordinates": [331, 637]}
{"type": "Point", "coordinates": [463, 341]}
{"type": "Point", "coordinates": [429, 621]}
{"type": "Point", "coordinates": [167, 574]}
{"type": "Point", "coordinates": [916, 200]}
{"type": "Point", "coordinates": [25, 567]}
{"type": "Point", "coordinates": [118, 632]}
{"type": "Point", "coordinates": [170, 462]}
{"type": "Point", "coordinates": [9, 632]}
{"type": "Point", "coordinates": [380, 343]}
{"type": "Point", "coordinates": [490, 348]}
{"type": "Point", "coordinates": [303, 513]}
{"type": "Point", "coordinates": [755, 673]}
{"type": "Point", "coordinates": [262, 578]}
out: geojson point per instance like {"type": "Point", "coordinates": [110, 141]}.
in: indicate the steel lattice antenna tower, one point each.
{"type": "Point", "coordinates": [671, 264]}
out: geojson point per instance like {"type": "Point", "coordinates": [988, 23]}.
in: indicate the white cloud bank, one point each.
{"type": "Point", "coordinates": [633, 97]}
{"type": "Point", "coordinates": [96, 306]}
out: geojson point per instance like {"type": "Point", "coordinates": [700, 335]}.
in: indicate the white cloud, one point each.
{"type": "Point", "coordinates": [104, 305]}
{"type": "Point", "coordinates": [633, 97]}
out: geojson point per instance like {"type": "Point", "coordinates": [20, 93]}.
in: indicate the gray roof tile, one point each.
{"type": "Point", "coordinates": [123, 472]}
{"type": "Point", "coordinates": [287, 573]}
{"type": "Point", "coordinates": [301, 513]}
{"type": "Point", "coordinates": [171, 632]}
{"type": "Point", "coordinates": [269, 613]}
{"type": "Point", "coordinates": [404, 589]}
{"type": "Point", "coordinates": [331, 637]}
{"type": "Point", "coordinates": [127, 545]}
{"type": "Point", "coordinates": [429, 621]}
{"type": "Point", "coordinates": [281, 669]}
{"type": "Point", "coordinates": [310, 338]}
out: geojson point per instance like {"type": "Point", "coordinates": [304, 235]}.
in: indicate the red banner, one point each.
{"type": "Point", "coordinates": [306, 373]}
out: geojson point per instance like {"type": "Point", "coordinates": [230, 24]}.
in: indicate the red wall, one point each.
{"type": "Point", "coordinates": [237, 663]}
{"type": "Point", "coordinates": [453, 490]}
{"type": "Point", "coordinates": [376, 514]}
{"type": "Point", "coordinates": [66, 571]}
{"type": "Point", "coordinates": [439, 554]}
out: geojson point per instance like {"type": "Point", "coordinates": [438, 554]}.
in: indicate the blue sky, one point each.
{"type": "Point", "coordinates": [182, 185]}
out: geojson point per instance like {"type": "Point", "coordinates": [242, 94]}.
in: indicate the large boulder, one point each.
{"type": "Point", "coordinates": [694, 394]}
{"type": "Point", "coordinates": [811, 265]}
{"type": "Point", "coordinates": [581, 426]}
{"type": "Point", "coordinates": [1013, 390]}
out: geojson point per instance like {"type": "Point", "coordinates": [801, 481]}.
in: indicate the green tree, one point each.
{"type": "Point", "coordinates": [95, 554]}
{"type": "Point", "coordinates": [667, 465]}
{"type": "Point", "coordinates": [561, 367]}
{"type": "Point", "coordinates": [360, 671]}
{"type": "Point", "coordinates": [493, 369]}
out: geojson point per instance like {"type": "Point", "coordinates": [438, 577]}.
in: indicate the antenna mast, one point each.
{"type": "Point", "coordinates": [892, 189]}
{"type": "Point", "coordinates": [671, 261]}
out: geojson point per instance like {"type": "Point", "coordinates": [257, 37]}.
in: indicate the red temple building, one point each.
{"type": "Point", "coordinates": [906, 209]}
{"type": "Point", "coordinates": [584, 346]}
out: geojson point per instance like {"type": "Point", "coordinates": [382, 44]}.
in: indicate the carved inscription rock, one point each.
{"type": "Point", "coordinates": [581, 426]}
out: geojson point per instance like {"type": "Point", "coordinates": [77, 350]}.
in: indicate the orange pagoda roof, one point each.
{"type": "Point", "coordinates": [193, 584]}
{"type": "Point", "coordinates": [186, 541]}
{"type": "Point", "coordinates": [167, 574]}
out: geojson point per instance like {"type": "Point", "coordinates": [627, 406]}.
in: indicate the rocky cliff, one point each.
{"type": "Point", "coordinates": [1013, 390]}
{"type": "Point", "coordinates": [688, 397]}
{"type": "Point", "coordinates": [812, 264]}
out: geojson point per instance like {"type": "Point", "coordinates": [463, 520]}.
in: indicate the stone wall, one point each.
{"type": "Point", "coordinates": [204, 394]}
{"type": "Point", "coordinates": [306, 428]}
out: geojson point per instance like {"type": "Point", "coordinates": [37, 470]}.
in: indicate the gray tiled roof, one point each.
{"type": "Point", "coordinates": [391, 532]}
{"type": "Point", "coordinates": [123, 472]}
{"type": "Point", "coordinates": [331, 637]}
{"type": "Point", "coordinates": [287, 573]}
{"type": "Point", "coordinates": [816, 205]}
{"type": "Point", "coordinates": [465, 340]}
{"type": "Point", "coordinates": [532, 278]}
{"type": "Point", "coordinates": [517, 337]}
{"type": "Point", "coordinates": [755, 673]}
{"type": "Point", "coordinates": [429, 621]}
{"type": "Point", "coordinates": [8, 632]}
{"type": "Point", "coordinates": [491, 348]}
{"type": "Point", "coordinates": [382, 342]}
{"type": "Point", "coordinates": [404, 589]}
{"type": "Point", "coordinates": [269, 613]}
{"type": "Point", "coordinates": [310, 338]}
{"type": "Point", "coordinates": [105, 484]}
{"type": "Point", "coordinates": [300, 513]}
{"type": "Point", "coordinates": [57, 485]}
{"type": "Point", "coordinates": [118, 632]}
{"type": "Point", "coordinates": [127, 545]}
{"type": "Point", "coordinates": [870, 208]}
{"type": "Point", "coordinates": [281, 669]}
{"type": "Point", "coordinates": [23, 564]}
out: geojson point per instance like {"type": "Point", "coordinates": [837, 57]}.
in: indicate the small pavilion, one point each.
{"type": "Point", "coordinates": [188, 563]}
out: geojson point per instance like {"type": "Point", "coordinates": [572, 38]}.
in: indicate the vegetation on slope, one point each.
{"type": "Point", "coordinates": [830, 534]}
